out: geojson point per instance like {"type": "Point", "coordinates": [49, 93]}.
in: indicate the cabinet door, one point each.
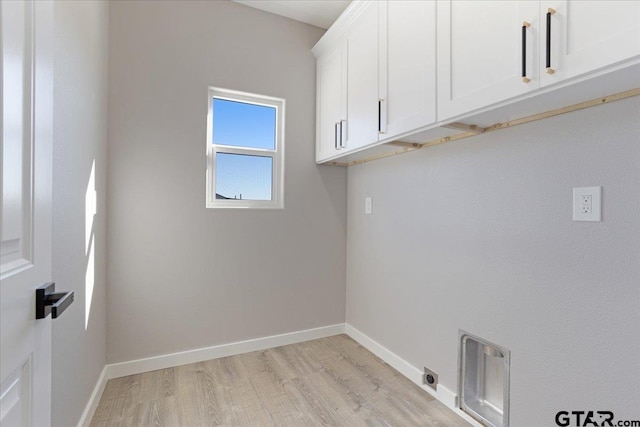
{"type": "Point", "coordinates": [361, 46]}
{"type": "Point", "coordinates": [407, 66]}
{"type": "Point", "coordinates": [480, 53]}
{"type": "Point", "coordinates": [588, 35]}
{"type": "Point", "coordinates": [329, 94]}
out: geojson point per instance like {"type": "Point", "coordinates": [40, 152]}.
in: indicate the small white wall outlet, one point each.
{"type": "Point", "coordinates": [587, 204]}
{"type": "Point", "coordinates": [368, 205]}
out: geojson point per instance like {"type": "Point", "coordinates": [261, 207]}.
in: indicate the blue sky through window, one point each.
{"type": "Point", "coordinates": [243, 125]}
{"type": "Point", "coordinates": [243, 177]}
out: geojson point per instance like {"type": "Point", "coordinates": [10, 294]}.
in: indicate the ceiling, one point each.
{"type": "Point", "coordinates": [321, 13]}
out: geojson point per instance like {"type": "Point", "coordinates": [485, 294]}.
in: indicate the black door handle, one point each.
{"type": "Point", "coordinates": [550, 70]}
{"type": "Point", "coordinates": [525, 25]}
{"type": "Point", "coordinates": [49, 301]}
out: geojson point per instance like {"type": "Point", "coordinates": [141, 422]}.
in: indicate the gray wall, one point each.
{"type": "Point", "coordinates": [182, 276]}
{"type": "Point", "coordinates": [477, 235]}
{"type": "Point", "coordinates": [80, 136]}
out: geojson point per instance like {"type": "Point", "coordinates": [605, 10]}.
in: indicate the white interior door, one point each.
{"type": "Point", "coordinates": [25, 239]}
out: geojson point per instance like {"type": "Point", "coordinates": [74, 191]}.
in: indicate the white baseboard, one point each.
{"type": "Point", "coordinates": [139, 366]}
{"type": "Point", "coordinates": [443, 394]}
{"type": "Point", "coordinates": [132, 367]}
{"type": "Point", "coordinates": [92, 405]}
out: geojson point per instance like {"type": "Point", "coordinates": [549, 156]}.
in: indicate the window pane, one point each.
{"type": "Point", "coordinates": [243, 125]}
{"type": "Point", "coordinates": [243, 177]}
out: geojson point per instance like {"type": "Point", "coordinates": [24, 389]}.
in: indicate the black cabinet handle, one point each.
{"type": "Point", "coordinates": [335, 135]}
{"type": "Point", "coordinates": [550, 70]}
{"type": "Point", "coordinates": [525, 25]}
{"type": "Point", "coordinates": [49, 301]}
{"type": "Point", "coordinates": [379, 115]}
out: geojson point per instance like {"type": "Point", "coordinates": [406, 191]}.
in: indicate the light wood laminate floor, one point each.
{"type": "Point", "coordinates": [326, 382]}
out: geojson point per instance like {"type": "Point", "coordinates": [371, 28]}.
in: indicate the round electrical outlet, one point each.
{"type": "Point", "coordinates": [430, 378]}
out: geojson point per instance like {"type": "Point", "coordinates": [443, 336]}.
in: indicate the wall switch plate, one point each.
{"type": "Point", "coordinates": [587, 204]}
{"type": "Point", "coordinates": [368, 205]}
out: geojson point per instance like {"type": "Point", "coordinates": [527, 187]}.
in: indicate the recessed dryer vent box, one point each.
{"type": "Point", "coordinates": [483, 380]}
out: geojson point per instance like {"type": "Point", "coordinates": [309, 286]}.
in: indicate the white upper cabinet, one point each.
{"type": "Point", "coordinates": [586, 36]}
{"type": "Point", "coordinates": [396, 70]}
{"type": "Point", "coordinates": [347, 83]}
{"type": "Point", "coordinates": [361, 47]}
{"type": "Point", "coordinates": [481, 51]}
{"type": "Point", "coordinates": [376, 75]}
{"type": "Point", "coordinates": [330, 100]}
{"type": "Point", "coordinates": [407, 66]}
{"type": "Point", "coordinates": [491, 51]}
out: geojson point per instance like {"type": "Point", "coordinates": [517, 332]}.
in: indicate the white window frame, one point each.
{"type": "Point", "coordinates": [277, 155]}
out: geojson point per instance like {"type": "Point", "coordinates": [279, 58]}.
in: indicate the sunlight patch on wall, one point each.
{"type": "Point", "coordinates": [90, 213]}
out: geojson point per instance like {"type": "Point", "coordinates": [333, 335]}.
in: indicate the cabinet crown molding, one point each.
{"type": "Point", "coordinates": [340, 27]}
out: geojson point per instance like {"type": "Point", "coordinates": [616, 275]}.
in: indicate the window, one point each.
{"type": "Point", "coordinates": [245, 150]}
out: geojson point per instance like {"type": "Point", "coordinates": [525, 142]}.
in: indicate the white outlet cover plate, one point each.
{"type": "Point", "coordinates": [596, 204]}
